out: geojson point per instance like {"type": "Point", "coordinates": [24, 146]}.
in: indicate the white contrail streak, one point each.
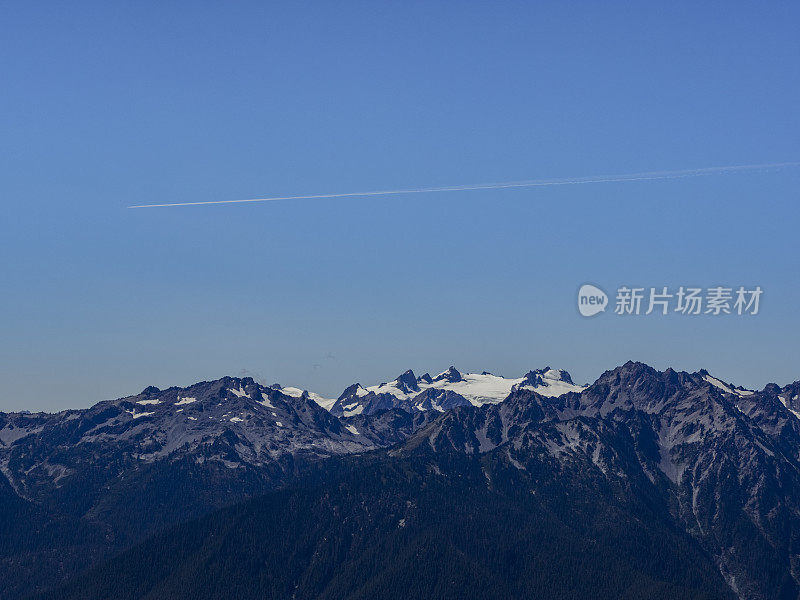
{"type": "Point", "coordinates": [647, 176]}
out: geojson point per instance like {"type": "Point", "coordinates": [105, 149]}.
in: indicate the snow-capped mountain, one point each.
{"type": "Point", "coordinates": [447, 390]}
{"type": "Point", "coordinates": [712, 461]}
{"type": "Point", "coordinates": [267, 422]}
{"type": "Point", "coordinates": [294, 392]}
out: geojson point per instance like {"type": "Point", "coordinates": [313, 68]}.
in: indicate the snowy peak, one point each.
{"type": "Point", "coordinates": [294, 392]}
{"type": "Point", "coordinates": [548, 382]}
{"type": "Point", "coordinates": [448, 389]}
{"type": "Point", "coordinates": [451, 376]}
{"type": "Point", "coordinates": [407, 382]}
{"type": "Point", "coordinates": [354, 390]}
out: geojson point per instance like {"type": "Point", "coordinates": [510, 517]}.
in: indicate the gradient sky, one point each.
{"type": "Point", "coordinates": [107, 104]}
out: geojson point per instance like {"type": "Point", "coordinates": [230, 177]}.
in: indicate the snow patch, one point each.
{"type": "Point", "coordinates": [9, 436]}
{"type": "Point", "coordinates": [136, 415]}
{"type": "Point", "coordinates": [240, 392]}
{"type": "Point", "coordinates": [786, 404]}
{"type": "Point", "coordinates": [726, 388]}
{"type": "Point", "coordinates": [352, 409]}
{"type": "Point", "coordinates": [182, 401]}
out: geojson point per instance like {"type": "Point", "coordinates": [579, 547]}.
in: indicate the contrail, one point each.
{"type": "Point", "coordinates": [646, 176]}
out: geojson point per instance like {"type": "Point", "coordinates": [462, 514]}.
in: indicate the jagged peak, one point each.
{"type": "Point", "coordinates": [630, 371]}
{"type": "Point", "coordinates": [541, 376]}
{"type": "Point", "coordinates": [353, 390]}
{"type": "Point", "coordinates": [452, 375]}
{"type": "Point", "coordinates": [407, 382]}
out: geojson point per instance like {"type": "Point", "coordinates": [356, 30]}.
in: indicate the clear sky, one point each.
{"type": "Point", "coordinates": [108, 104]}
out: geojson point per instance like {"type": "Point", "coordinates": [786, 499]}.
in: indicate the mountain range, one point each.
{"type": "Point", "coordinates": [644, 484]}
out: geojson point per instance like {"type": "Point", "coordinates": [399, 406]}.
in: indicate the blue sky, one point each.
{"type": "Point", "coordinates": [105, 105]}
